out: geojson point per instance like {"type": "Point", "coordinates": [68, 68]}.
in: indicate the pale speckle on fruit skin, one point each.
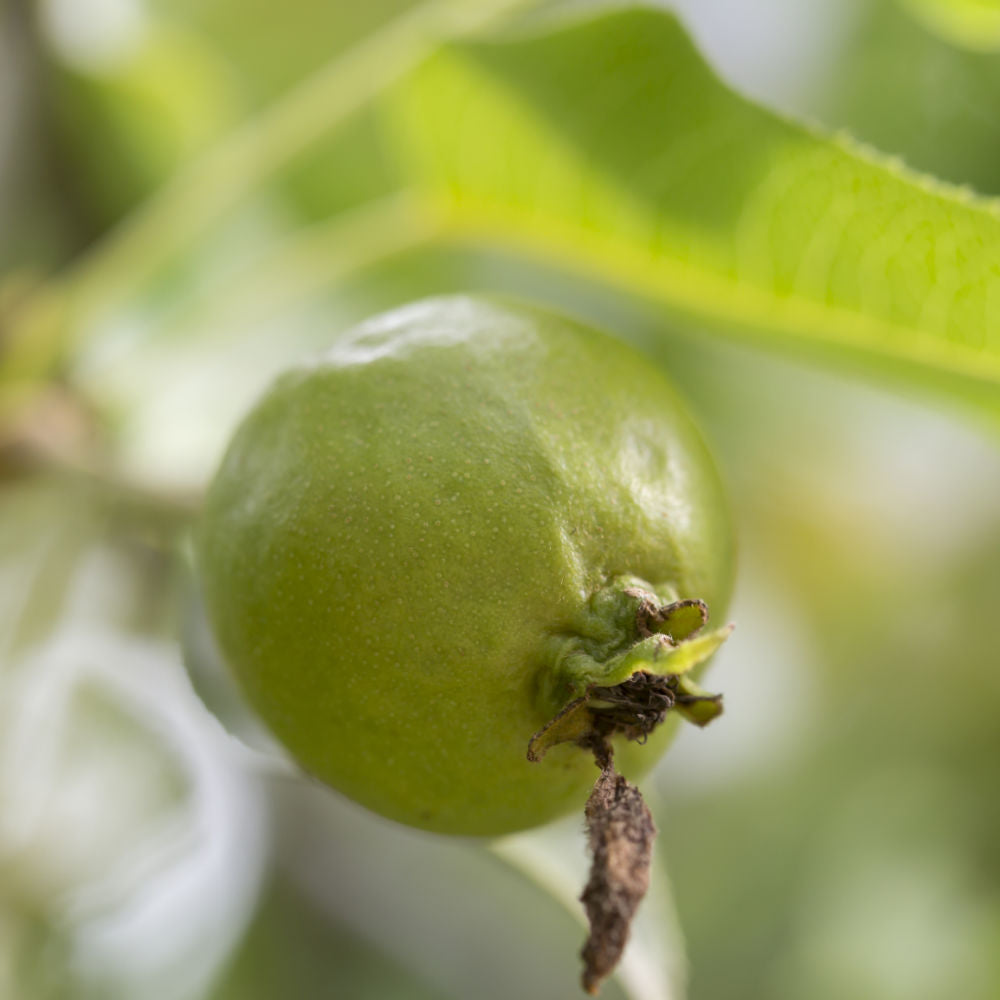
{"type": "Point", "coordinates": [382, 591]}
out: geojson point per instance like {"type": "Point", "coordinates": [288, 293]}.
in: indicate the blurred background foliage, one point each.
{"type": "Point", "coordinates": [834, 835]}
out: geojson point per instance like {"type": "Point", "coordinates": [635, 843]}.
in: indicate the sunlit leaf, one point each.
{"type": "Point", "coordinates": [972, 23]}
{"type": "Point", "coordinates": [607, 146]}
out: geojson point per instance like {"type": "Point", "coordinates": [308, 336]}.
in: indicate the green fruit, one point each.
{"type": "Point", "coordinates": [420, 548]}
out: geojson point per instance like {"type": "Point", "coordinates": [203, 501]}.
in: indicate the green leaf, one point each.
{"type": "Point", "coordinates": [911, 92]}
{"type": "Point", "coordinates": [607, 146]}
{"type": "Point", "coordinates": [973, 24]}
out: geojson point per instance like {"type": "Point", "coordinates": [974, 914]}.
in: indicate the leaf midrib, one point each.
{"type": "Point", "coordinates": [738, 303]}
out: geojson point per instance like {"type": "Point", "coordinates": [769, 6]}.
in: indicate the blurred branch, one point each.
{"type": "Point", "coordinates": [57, 434]}
{"type": "Point", "coordinates": [314, 258]}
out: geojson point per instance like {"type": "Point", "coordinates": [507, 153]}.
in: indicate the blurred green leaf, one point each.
{"type": "Point", "coordinates": [606, 145]}
{"type": "Point", "coordinates": [127, 119]}
{"type": "Point", "coordinates": [972, 23]}
{"type": "Point", "coordinates": [911, 92]}
{"type": "Point", "coordinates": [293, 949]}
{"type": "Point", "coordinates": [127, 125]}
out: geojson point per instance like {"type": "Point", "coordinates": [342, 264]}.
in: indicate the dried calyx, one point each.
{"type": "Point", "coordinates": [620, 834]}
{"type": "Point", "coordinates": [623, 679]}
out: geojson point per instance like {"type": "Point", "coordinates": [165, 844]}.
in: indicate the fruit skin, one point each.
{"type": "Point", "coordinates": [401, 531]}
